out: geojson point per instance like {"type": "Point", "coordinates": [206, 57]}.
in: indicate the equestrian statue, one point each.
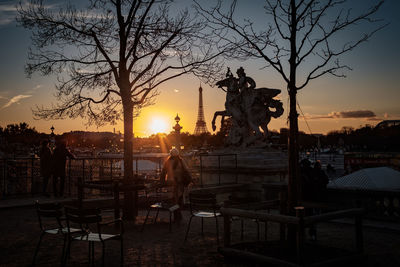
{"type": "Point", "coordinates": [249, 109]}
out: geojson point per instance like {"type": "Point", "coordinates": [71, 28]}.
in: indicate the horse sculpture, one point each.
{"type": "Point", "coordinates": [249, 109]}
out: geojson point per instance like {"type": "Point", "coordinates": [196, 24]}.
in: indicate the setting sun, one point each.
{"type": "Point", "coordinates": [158, 125]}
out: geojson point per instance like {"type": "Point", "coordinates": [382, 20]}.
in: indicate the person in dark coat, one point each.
{"type": "Point", "coordinates": [45, 165]}
{"type": "Point", "coordinates": [173, 172]}
{"type": "Point", "coordinates": [60, 155]}
{"type": "Point", "coordinates": [306, 173]}
{"type": "Point", "coordinates": [314, 189]}
{"type": "Point", "coordinates": [320, 182]}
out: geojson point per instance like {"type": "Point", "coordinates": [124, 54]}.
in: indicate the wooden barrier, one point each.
{"type": "Point", "coordinates": [300, 222]}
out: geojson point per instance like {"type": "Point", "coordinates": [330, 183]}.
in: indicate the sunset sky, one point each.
{"type": "Point", "coordinates": [369, 94]}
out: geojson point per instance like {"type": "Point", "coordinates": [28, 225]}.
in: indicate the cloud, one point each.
{"type": "Point", "coordinates": [15, 100]}
{"type": "Point", "coordinates": [353, 114]}
{"type": "Point", "coordinates": [7, 13]}
{"type": "Point", "coordinates": [34, 89]}
{"type": "Point", "coordinates": [7, 7]}
{"type": "Point", "coordinates": [8, 10]}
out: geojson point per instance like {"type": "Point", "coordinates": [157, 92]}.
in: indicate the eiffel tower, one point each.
{"type": "Point", "coordinates": [201, 126]}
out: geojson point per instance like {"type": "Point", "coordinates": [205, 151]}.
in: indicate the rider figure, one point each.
{"type": "Point", "coordinates": [244, 82]}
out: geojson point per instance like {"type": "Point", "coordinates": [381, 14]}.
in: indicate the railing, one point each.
{"type": "Point", "coordinates": [379, 205]}
{"type": "Point", "coordinates": [218, 166]}
{"type": "Point", "coordinates": [297, 223]}
{"type": "Point", "coordinates": [21, 176]}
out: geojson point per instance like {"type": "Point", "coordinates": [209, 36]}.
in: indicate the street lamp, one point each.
{"type": "Point", "coordinates": [52, 138]}
{"type": "Point", "coordinates": [177, 129]}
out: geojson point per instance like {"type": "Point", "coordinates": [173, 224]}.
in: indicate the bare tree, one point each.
{"type": "Point", "coordinates": [302, 41]}
{"type": "Point", "coordinates": [110, 57]}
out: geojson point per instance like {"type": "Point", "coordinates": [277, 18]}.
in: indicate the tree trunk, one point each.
{"type": "Point", "coordinates": [130, 207]}
{"type": "Point", "coordinates": [293, 180]}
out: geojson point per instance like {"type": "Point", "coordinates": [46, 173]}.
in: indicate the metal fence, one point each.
{"type": "Point", "coordinates": [21, 176]}
{"type": "Point", "coordinates": [218, 164]}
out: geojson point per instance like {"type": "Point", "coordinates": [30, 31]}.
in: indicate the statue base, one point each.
{"type": "Point", "coordinates": [249, 161]}
{"type": "Point", "coordinates": [251, 166]}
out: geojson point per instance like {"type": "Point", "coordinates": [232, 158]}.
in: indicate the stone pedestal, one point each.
{"type": "Point", "coordinates": [252, 166]}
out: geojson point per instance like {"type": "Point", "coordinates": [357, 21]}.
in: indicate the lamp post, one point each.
{"type": "Point", "coordinates": [177, 129]}
{"type": "Point", "coordinates": [52, 138]}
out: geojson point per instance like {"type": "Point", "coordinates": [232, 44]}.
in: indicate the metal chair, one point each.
{"type": "Point", "coordinates": [248, 204]}
{"type": "Point", "coordinates": [203, 205]}
{"type": "Point", "coordinates": [156, 201]}
{"type": "Point", "coordinates": [50, 222]}
{"type": "Point", "coordinates": [85, 218]}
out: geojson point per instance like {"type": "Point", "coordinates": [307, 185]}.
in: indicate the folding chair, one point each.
{"type": "Point", "coordinates": [203, 205]}
{"type": "Point", "coordinates": [156, 201]}
{"type": "Point", "coordinates": [85, 218]}
{"type": "Point", "coordinates": [50, 222]}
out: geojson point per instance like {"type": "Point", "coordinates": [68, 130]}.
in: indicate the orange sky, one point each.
{"type": "Point", "coordinates": [327, 103]}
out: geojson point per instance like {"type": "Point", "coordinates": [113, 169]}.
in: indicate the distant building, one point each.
{"type": "Point", "coordinates": [359, 160]}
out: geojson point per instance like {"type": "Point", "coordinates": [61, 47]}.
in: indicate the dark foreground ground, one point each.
{"type": "Point", "coordinates": [156, 246]}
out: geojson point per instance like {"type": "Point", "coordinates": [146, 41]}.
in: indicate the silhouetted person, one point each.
{"type": "Point", "coordinates": [315, 187]}
{"type": "Point", "coordinates": [330, 170]}
{"type": "Point", "coordinates": [173, 171]}
{"type": "Point", "coordinates": [45, 164]}
{"type": "Point", "coordinates": [306, 172]}
{"type": "Point", "coordinates": [320, 182]}
{"type": "Point", "coordinates": [60, 155]}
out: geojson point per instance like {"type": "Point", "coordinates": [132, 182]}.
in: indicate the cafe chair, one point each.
{"type": "Point", "coordinates": [203, 205]}
{"type": "Point", "coordinates": [88, 219]}
{"type": "Point", "coordinates": [50, 217]}
{"type": "Point", "coordinates": [156, 201]}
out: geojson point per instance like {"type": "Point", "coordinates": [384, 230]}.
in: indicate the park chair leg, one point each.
{"type": "Point", "coordinates": [64, 249]}
{"type": "Point", "coordinates": [89, 252]}
{"type": "Point", "coordinates": [67, 252]}
{"type": "Point", "coordinates": [187, 230]}
{"type": "Point", "coordinates": [170, 221]}
{"type": "Point", "coordinates": [103, 253]}
{"type": "Point", "coordinates": [37, 248]}
{"type": "Point", "coordinates": [155, 218]}
{"type": "Point", "coordinates": [122, 252]}
{"type": "Point", "coordinates": [216, 223]}
{"type": "Point", "coordinates": [93, 253]}
{"type": "Point", "coordinates": [145, 220]}
{"type": "Point", "coordinates": [202, 226]}
{"type": "Point", "coordinates": [241, 230]}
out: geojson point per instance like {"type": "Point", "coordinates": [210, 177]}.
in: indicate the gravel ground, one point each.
{"type": "Point", "coordinates": [156, 246]}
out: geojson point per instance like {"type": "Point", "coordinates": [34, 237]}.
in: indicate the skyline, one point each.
{"type": "Point", "coordinates": [368, 95]}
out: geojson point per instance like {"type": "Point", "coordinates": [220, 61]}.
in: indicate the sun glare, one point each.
{"type": "Point", "coordinates": [158, 125]}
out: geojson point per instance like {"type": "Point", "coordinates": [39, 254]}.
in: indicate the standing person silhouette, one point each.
{"type": "Point", "coordinates": [173, 171]}
{"type": "Point", "coordinates": [315, 181]}
{"type": "Point", "coordinates": [45, 165]}
{"type": "Point", "coordinates": [60, 155]}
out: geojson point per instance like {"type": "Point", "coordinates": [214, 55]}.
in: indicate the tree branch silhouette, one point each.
{"type": "Point", "coordinates": [111, 56]}
{"type": "Point", "coordinates": [301, 41]}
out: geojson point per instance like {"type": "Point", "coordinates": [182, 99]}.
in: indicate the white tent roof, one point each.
{"type": "Point", "coordinates": [381, 178]}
